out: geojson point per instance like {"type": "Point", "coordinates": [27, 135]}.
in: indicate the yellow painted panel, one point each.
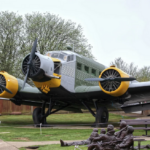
{"type": "Point", "coordinates": [123, 86]}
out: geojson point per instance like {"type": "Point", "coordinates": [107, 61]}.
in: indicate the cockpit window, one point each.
{"type": "Point", "coordinates": [70, 58]}
{"type": "Point", "coordinates": [55, 55]}
{"type": "Point", "coordinates": [61, 55]}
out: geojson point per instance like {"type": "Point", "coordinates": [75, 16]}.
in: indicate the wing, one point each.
{"type": "Point", "coordinates": [139, 97]}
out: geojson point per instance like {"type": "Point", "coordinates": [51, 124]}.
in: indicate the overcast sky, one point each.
{"type": "Point", "coordinates": [115, 28]}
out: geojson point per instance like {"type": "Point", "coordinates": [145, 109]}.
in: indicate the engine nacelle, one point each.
{"type": "Point", "coordinates": [113, 88]}
{"type": "Point", "coordinates": [10, 82]}
{"type": "Point", "coordinates": [42, 66]}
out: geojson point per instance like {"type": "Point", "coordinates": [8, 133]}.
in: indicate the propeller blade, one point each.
{"type": "Point", "coordinates": [32, 54]}
{"type": "Point", "coordinates": [33, 51]}
{"type": "Point", "coordinates": [110, 79]}
{"type": "Point", "coordinates": [4, 88]}
{"type": "Point", "coordinates": [124, 79]}
{"type": "Point", "coordinates": [25, 79]}
{"type": "Point", "coordinates": [94, 79]}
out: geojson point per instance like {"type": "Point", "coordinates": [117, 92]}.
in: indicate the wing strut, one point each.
{"type": "Point", "coordinates": [88, 107]}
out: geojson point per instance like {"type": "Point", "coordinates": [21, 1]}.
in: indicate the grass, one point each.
{"type": "Point", "coordinates": [12, 124]}
{"type": "Point", "coordinates": [25, 134]}
{"type": "Point", "coordinates": [75, 118]}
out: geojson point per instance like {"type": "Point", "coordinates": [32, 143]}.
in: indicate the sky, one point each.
{"type": "Point", "coordinates": [115, 28]}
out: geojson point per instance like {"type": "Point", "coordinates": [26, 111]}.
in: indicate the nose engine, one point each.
{"type": "Point", "coordinates": [41, 68]}
{"type": "Point", "coordinates": [35, 67]}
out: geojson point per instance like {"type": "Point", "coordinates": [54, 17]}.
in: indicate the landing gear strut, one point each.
{"type": "Point", "coordinates": [101, 116]}
{"type": "Point", "coordinates": [39, 115]}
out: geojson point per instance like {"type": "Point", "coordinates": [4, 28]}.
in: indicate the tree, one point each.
{"type": "Point", "coordinates": [141, 75]}
{"type": "Point", "coordinates": [11, 41]}
{"type": "Point", "coordinates": [18, 33]}
{"type": "Point", "coordinates": [54, 33]}
{"type": "Point", "coordinates": [128, 68]}
{"type": "Point", "coordinates": [144, 74]}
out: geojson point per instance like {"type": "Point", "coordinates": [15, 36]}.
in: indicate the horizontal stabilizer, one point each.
{"type": "Point", "coordinates": [135, 107]}
{"type": "Point", "coordinates": [110, 79]}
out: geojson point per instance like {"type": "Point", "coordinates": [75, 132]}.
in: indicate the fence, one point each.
{"type": "Point", "coordinates": [7, 107]}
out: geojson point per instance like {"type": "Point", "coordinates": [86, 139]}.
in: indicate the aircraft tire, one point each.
{"type": "Point", "coordinates": [37, 116]}
{"type": "Point", "coordinates": [102, 116]}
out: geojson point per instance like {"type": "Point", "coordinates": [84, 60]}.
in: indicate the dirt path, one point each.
{"type": "Point", "coordinates": [26, 144]}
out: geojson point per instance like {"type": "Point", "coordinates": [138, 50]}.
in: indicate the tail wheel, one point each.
{"type": "Point", "coordinates": [102, 115]}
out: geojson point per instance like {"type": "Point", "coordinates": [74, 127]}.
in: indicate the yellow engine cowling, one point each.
{"type": "Point", "coordinates": [115, 90]}
{"type": "Point", "coordinates": [10, 82]}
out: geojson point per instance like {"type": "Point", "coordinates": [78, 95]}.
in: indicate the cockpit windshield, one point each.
{"type": "Point", "coordinates": [61, 55]}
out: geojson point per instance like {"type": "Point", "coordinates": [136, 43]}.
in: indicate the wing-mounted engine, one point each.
{"type": "Point", "coordinates": [114, 87]}
{"type": "Point", "coordinates": [9, 85]}
{"type": "Point", "coordinates": [113, 81]}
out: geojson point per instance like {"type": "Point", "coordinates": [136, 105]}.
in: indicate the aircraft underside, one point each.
{"type": "Point", "coordinates": [60, 99]}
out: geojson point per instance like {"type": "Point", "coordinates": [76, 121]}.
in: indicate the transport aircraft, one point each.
{"type": "Point", "coordinates": [65, 80]}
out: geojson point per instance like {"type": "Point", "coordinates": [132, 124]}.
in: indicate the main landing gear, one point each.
{"type": "Point", "coordinates": [39, 115]}
{"type": "Point", "coordinates": [101, 116]}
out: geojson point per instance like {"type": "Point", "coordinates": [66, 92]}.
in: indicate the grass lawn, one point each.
{"type": "Point", "coordinates": [74, 118]}
{"type": "Point", "coordinates": [12, 123]}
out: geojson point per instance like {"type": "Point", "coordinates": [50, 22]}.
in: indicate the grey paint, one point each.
{"type": "Point", "coordinates": [46, 64]}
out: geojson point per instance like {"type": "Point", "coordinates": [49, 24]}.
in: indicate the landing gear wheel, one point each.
{"type": "Point", "coordinates": [102, 116]}
{"type": "Point", "coordinates": [37, 116]}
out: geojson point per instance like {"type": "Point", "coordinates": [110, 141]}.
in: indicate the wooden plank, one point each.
{"type": "Point", "coordinates": [141, 128]}
{"type": "Point", "coordinates": [128, 120]}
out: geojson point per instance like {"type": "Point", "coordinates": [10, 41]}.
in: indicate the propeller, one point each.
{"type": "Point", "coordinates": [110, 79]}
{"type": "Point", "coordinates": [29, 64]}
{"type": "Point", "coordinates": [4, 88]}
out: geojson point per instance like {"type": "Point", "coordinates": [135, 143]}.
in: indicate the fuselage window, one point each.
{"type": "Point", "coordinates": [86, 69]}
{"type": "Point", "coordinates": [94, 72]}
{"type": "Point", "coordinates": [79, 66]}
